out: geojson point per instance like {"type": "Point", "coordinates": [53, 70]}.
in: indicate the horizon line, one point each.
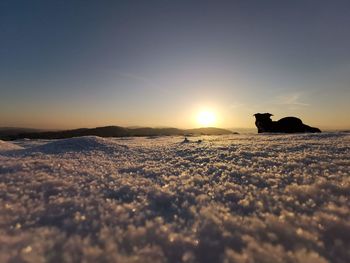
{"type": "Point", "coordinates": [325, 128]}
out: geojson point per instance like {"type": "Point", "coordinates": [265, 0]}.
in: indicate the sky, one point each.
{"type": "Point", "coordinates": [70, 64]}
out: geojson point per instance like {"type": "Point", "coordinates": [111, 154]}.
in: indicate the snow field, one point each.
{"type": "Point", "coordinates": [237, 198]}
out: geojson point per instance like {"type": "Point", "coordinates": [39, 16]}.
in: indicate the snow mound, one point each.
{"type": "Point", "coordinates": [6, 146]}
{"type": "Point", "coordinates": [79, 144]}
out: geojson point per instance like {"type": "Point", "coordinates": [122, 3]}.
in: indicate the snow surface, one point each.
{"type": "Point", "coordinates": [5, 146]}
{"type": "Point", "coordinates": [237, 198]}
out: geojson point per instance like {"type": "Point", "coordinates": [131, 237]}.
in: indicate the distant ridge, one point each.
{"type": "Point", "coordinates": [6, 131]}
{"type": "Point", "coordinates": [114, 131]}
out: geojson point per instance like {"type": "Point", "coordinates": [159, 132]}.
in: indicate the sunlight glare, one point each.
{"type": "Point", "coordinates": [206, 118]}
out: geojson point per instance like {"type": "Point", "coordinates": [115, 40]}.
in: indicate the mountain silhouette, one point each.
{"type": "Point", "coordinates": [114, 131]}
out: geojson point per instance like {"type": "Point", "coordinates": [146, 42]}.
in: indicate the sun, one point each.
{"type": "Point", "coordinates": [206, 118]}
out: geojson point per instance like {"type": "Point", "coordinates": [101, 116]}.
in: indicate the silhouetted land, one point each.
{"type": "Point", "coordinates": [110, 131]}
{"type": "Point", "coordinates": [7, 131]}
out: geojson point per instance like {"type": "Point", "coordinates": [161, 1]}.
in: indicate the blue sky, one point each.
{"type": "Point", "coordinates": [67, 64]}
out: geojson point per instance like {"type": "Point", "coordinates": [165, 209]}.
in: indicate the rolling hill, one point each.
{"type": "Point", "coordinates": [113, 131]}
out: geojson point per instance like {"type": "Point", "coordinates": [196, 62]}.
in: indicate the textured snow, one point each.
{"type": "Point", "coordinates": [79, 144]}
{"type": "Point", "coordinates": [237, 198]}
{"type": "Point", "coordinates": [5, 146]}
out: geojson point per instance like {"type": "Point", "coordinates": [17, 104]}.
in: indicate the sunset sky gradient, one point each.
{"type": "Point", "coordinates": [69, 64]}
